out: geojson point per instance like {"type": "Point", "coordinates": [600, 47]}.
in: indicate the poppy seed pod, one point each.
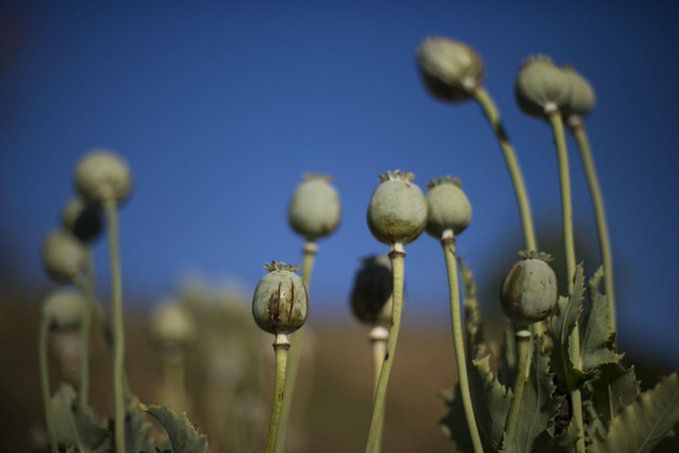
{"type": "Point", "coordinates": [101, 175]}
{"type": "Point", "coordinates": [447, 206]}
{"type": "Point", "coordinates": [582, 99]}
{"type": "Point", "coordinates": [315, 211]}
{"type": "Point", "coordinates": [529, 292]}
{"type": "Point", "coordinates": [541, 87]}
{"type": "Point", "coordinates": [373, 287]}
{"type": "Point", "coordinates": [397, 212]}
{"type": "Point", "coordinates": [171, 325]}
{"type": "Point", "coordinates": [63, 256]}
{"type": "Point", "coordinates": [280, 303]}
{"type": "Point", "coordinates": [81, 219]}
{"type": "Point", "coordinates": [64, 309]}
{"type": "Point", "coordinates": [450, 68]}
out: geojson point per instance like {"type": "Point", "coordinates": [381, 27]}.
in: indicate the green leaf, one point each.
{"type": "Point", "coordinates": [454, 423]}
{"type": "Point", "coordinates": [613, 389]}
{"type": "Point", "coordinates": [76, 426]}
{"type": "Point", "coordinates": [184, 437]}
{"type": "Point", "coordinates": [137, 429]}
{"type": "Point", "coordinates": [539, 406]}
{"type": "Point", "coordinates": [473, 323]}
{"type": "Point", "coordinates": [640, 426]}
{"type": "Point", "coordinates": [561, 329]}
{"type": "Point", "coordinates": [491, 402]}
{"type": "Point", "coordinates": [598, 341]}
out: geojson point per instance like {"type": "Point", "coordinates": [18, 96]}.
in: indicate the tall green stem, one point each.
{"type": "Point", "coordinates": [110, 207]}
{"type": "Point", "coordinates": [569, 246]}
{"type": "Point", "coordinates": [491, 112]}
{"type": "Point", "coordinates": [448, 244]}
{"type": "Point", "coordinates": [580, 134]}
{"type": "Point", "coordinates": [174, 380]}
{"type": "Point", "coordinates": [43, 336]}
{"type": "Point", "coordinates": [280, 346]}
{"type": "Point", "coordinates": [522, 342]}
{"type": "Point", "coordinates": [378, 337]}
{"type": "Point", "coordinates": [397, 256]}
{"type": "Point", "coordinates": [309, 256]}
{"type": "Point", "coordinates": [88, 294]}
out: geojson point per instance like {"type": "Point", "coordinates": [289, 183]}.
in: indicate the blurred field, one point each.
{"type": "Point", "coordinates": [338, 379]}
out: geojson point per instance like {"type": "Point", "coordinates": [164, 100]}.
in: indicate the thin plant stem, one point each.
{"type": "Point", "coordinates": [448, 244]}
{"type": "Point", "coordinates": [280, 346]}
{"type": "Point", "coordinates": [556, 122]}
{"type": "Point", "coordinates": [43, 337]}
{"type": "Point", "coordinates": [378, 337]}
{"type": "Point", "coordinates": [309, 256]}
{"type": "Point", "coordinates": [174, 381]}
{"type": "Point", "coordinates": [85, 331]}
{"type": "Point", "coordinates": [580, 134]}
{"type": "Point", "coordinates": [523, 347]}
{"type": "Point", "coordinates": [397, 256]}
{"type": "Point", "coordinates": [119, 384]}
{"type": "Point", "coordinates": [491, 112]}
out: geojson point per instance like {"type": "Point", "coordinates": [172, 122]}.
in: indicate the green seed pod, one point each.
{"type": "Point", "coordinates": [371, 295]}
{"type": "Point", "coordinates": [280, 303]}
{"type": "Point", "coordinates": [314, 211]}
{"type": "Point", "coordinates": [451, 69]}
{"type": "Point", "coordinates": [171, 325]}
{"type": "Point", "coordinates": [64, 309]}
{"type": "Point", "coordinates": [82, 219]}
{"type": "Point", "coordinates": [447, 206]}
{"type": "Point", "coordinates": [103, 174]}
{"type": "Point", "coordinates": [582, 99]}
{"type": "Point", "coordinates": [529, 292]}
{"type": "Point", "coordinates": [397, 212]}
{"type": "Point", "coordinates": [541, 87]}
{"type": "Point", "coordinates": [63, 256]}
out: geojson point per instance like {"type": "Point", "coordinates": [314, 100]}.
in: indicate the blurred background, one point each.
{"type": "Point", "coordinates": [220, 108]}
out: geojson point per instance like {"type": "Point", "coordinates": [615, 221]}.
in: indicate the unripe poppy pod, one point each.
{"type": "Point", "coordinates": [82, 219]}
{"type": "Point", "coordinates": [280, 304]}
{"type": "Point", "coordinates": [102, 175]}
{"type": "Point", "coordinates": [529, 291]}
{"type": "Point", "coordinates": [397, 212]}
{"type": "Point", "coordinates": [373, 286]}
{"type": "Point", "coordinates": [448, 207]}
{"type": "Point", "coordinates": [582, 99]}
{"type": "Point", "coordinates": [64, 309]}
{"type": "Point", "coordinates": [315, 211]}
{"type": "Point", "coordinates": [541, 86]}
{"type": "Point", "coordinates": [450, 68]}
{"type": "Point", "coordinates": [172, 325]}
{"type": "Point", "coordinates": [63, 256]}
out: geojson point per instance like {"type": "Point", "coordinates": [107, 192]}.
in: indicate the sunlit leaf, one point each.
{"type": "Point", "coordinates": [640, 426]}
{"type": "Point", "coordinates": [184, 437]}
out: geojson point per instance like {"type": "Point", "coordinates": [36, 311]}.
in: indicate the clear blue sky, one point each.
{"type": "Point", "coordinates": [221, 107]}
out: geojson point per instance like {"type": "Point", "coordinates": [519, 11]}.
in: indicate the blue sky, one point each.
{"type": "Point", "coordinates": [221, 107]}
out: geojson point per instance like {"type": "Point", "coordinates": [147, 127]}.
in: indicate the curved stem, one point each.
{"type": "Point", "coordinates": [580, 134]}
{"type": "Point", "coordinates": [43, 337]}
{"type": "Point", "coordinates": [309, 255]}
{"type": "Point", "coordinates": [569, 245]}
{"type": "Point", "coordinates": [490, 111]}
{"type": "Point", "coordinates": [397, 256]}
{"type": "Point", "coordinates": [448, 244]}
{"type": "Point", "coordinates": [378, 337]}
{"type": "Point", "coordinates": [522, 342]}
{"type": "Point", "coordinates": [118, 327]}
{"type": "Point", "coordinates": [280, 346]}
